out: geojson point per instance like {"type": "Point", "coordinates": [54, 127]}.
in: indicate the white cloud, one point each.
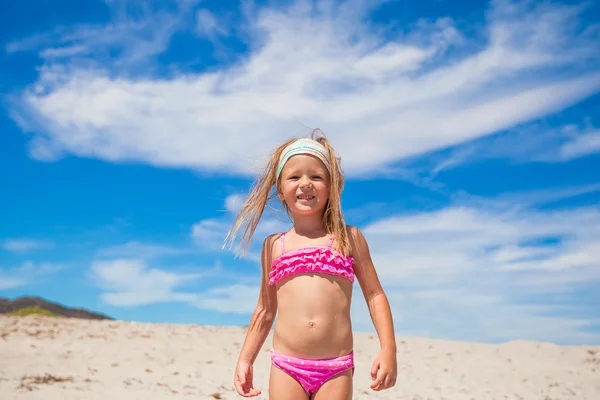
{"type": "Point", "coordinates": [320, 66]}
{"type": "Point", "coordinates": [135, 34]}
{"type": "Point", "coordinates": [588, 143]}
{"type": "Point", "coordinates": [543, 197]}
{"type": "Point", "coordinates": [481, 274]}
{"type": "Point", "coordinates": [537, 142]}
{"type": "Point", "coordinates": [234, 202]}
{"type": "Point", "coordinates": [22, 246]}
{"type": "Point", "coordinates": [7, 282]}
{"type": "Point", "coordinates": [239, 299]}
{"type": "Point", "coordinates": [67, 51]}
{"type": "Point", "coordinates": [467, 316]}
{"type": "Point", "coordinates": [209, 234]}
{"type": "Point", "coordinates": [26, 274]}
{"type": "Point", "coordinates": [130, 282]}
{"type": "Point", "coordinates": [207, 25]}
{"type": "Point", "coordinates": [139, 250]}
{"type": "Point", "coordinates": [466, 238]}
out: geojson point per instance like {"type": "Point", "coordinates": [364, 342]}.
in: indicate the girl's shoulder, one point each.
{"type": "Point", "coordinates": [270, 247]}
{"type": "Point", "coordinates": [351, 229]}
{"type": "Point", "coordinates": [358, 243]}
{"type": "Point", "coordinates": [353, 234]}
{"type": "Point", "coordinates": [272, 237]}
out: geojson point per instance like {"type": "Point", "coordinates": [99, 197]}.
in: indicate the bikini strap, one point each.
{"type": "Point", "coordinates": [282, 242]}
{"type": "Point", "coordinates": [331, 241]}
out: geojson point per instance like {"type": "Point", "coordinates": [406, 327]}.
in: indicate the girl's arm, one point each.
{"type": "Point", "coordinates": [265, 311]}
{"type": "Point", "coordinates": [375, 297]}
{"type": "Point", "coordinates": [384, 369]}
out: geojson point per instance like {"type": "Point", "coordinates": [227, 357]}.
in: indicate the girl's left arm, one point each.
{"type": "Point", "coordinates": [384, 370]}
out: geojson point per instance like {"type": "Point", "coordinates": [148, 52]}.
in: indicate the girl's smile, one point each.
{"type": "Point", "coordinates": [305, 199]}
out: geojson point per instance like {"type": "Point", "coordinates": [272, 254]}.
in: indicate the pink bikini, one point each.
{"type": "Point", "coordinates": [317, 259]}
{"type": "Point", "coordinates": [311, 374]}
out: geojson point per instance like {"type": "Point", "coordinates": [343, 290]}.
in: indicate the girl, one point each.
{"type": "Point", "coordinates": [307, 279]}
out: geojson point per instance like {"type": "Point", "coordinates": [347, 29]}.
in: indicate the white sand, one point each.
{"type": "Point", "coordinates": [57, 358]}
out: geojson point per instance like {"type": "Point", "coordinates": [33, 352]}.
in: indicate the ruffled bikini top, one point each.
{"type": "Point", "coordinates": [319, 259]}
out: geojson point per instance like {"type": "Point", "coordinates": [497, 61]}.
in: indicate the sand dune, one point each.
{"type": "Point", "coordinates": [60, 358]}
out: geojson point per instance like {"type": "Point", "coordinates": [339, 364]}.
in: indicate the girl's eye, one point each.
{"type": "Point", "coordinates": [316, 177]}
{"type": "Point", "coordinates": [293, 177]}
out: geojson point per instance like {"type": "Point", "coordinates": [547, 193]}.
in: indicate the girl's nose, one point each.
{"type": "Point", "coordinates": [305, 182]}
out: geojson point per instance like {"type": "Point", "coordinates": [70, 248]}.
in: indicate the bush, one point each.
{"type": "Point", "coordinates": [32, 310]}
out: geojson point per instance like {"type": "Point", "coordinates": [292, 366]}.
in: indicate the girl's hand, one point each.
{"type": "Point", "coordinates": [243, 380]}
{"type": "Point", "coordinates": [384, 370]}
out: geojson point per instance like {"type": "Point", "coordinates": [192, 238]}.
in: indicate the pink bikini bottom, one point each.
{"type": "Point", "coordinates": [312, 374]}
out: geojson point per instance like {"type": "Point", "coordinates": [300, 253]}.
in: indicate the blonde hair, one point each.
{"type": "Point", "coordinates": [253, 208]}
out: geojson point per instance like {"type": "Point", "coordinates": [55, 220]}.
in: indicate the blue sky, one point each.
{"type": "Point", "coordinates": [469, 135]}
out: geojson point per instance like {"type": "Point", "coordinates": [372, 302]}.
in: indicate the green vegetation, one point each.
{"type": "Point", "coordinates": [32, 310]}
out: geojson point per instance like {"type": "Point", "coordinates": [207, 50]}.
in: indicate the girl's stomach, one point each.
{"type": "Point", "coordinates": [313, 319]}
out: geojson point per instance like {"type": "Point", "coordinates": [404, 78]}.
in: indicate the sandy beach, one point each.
{"type": "Point", "coordinates": [63, 358]}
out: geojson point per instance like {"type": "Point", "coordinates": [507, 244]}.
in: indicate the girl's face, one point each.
{"type": "Point", "coordinates": [304, 185]}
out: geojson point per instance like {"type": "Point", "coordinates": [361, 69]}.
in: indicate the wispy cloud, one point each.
{"type": "Point", "coordinates": [534, 142]}
{"type": "Point", "coordinates": [135, 34]}
{"type": "Point", "coordinates": [535, 198]}
{"type": "Point", "coordinates": [500, 266]}
{"type": "Point", "coordinates": [525, 200]}
{"type": "Point", "coordinates": [139, 250]}
{"type": "Point", "coordinates": [22, 246]}
{"type": "Point", "coordinates": [26, 274]}
{"type": "Point", "coordinates": [10, 282]}
{"type": "Point", "coordinates": [209, 234]}
{"type": "Point", "coordinates": [234, 202]}
{"type": "Point", "coordinates": [237, 298]}
{"type": "Point", "coordinates": [319, 66]}
{"type": "Point", "coordinates": [208, 26]}
{"type": "Point", "coordinates": [131, 283]}
{"type": "Point", "coordinates": [584, 144]}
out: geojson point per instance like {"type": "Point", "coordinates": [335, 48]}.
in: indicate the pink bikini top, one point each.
{"type": "Point", "coordinates": [320, 259]}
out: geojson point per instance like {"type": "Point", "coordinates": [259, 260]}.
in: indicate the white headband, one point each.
{"type": "Point", "coordinates": [304, 146]}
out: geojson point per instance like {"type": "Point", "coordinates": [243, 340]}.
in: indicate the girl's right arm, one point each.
{"type": "Point", "coordinates": [260, 324]}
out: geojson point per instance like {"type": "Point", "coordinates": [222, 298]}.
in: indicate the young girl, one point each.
{"type": "Point", "coordinates": [307, 279]}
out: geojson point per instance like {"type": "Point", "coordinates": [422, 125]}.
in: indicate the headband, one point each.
{"type": "Point", "coordinates": [303, 146]}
